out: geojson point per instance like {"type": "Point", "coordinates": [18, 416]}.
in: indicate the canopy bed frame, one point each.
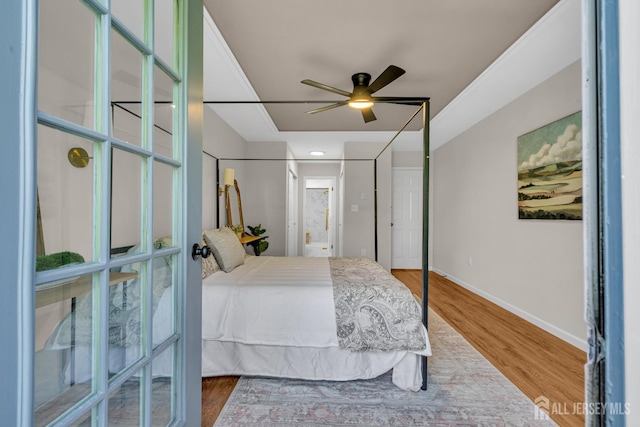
{"type": "Point", "coordinates": [423, 104]}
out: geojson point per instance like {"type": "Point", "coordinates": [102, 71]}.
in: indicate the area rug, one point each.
{"type": "Point", "coordinates": [464, 389]}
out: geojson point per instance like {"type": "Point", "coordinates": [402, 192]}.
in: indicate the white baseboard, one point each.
{"type": "Point", "coordinates": [543, 324]}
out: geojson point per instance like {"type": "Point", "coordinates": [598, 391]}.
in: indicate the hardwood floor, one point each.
{"type": "Point", "coordinates": [215, 392]}
{"type": "Point", "coordinates": [537, 362]}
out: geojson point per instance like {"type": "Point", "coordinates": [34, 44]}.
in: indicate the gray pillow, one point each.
{"type": "Point", "coordinates": [226, 248]}
{"type": "Point", "coordinates": [209, 264]}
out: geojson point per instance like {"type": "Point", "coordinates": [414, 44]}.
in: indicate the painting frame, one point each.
{"type": "Point", "coordinates": [549, 170]}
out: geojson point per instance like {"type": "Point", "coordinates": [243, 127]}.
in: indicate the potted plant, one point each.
{"type": "Point", "coordinates": [261, 245]}
{"type": "Point", "coordinates": [238, 230]}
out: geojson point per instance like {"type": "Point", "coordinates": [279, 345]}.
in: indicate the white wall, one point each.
{"type": "Point", "coordinates": [220, 141]}
{"type": "Point", "coordinates": [264, 193]}
{"type": "Point", "coordinates": [630, 155]}
{"type": "Point", "coordinates": [407, 159]}
{"type": "Point", "coordinates": [210, 199]}
{"type": "Point", "coordinates": [358, 229]}
{"type": "Point", "coordinates": [532, 267]}
{"type": "Point", "coordinates": [262, 183]}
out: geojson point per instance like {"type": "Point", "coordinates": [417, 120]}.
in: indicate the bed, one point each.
{"type": "Point", "coordinates": [311, 318]}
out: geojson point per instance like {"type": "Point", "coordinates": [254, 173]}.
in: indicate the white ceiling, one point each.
{"type": "Point", "coordinates": [470, 58]}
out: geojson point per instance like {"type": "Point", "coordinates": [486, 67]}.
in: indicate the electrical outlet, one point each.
{"type": "Point", "coordinates": [354, 208]}
{"type": "Point", "coordinates": [470, 260]}
{"type": "Point", "coordinates": [363, 252]}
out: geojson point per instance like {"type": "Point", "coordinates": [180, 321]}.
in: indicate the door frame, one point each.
{"type": "Point", "coordinates": [292, 206]}
{"type": "Point", "coordinates": [18, 44]}
{"type": "Point", "coordinates": [18, 108]}
{"type": "Point", "coordinates": [605, 369]}
{"type": "Point", "coordinates": [190, 308]}
{"type": "Point", "coordinates": [340, 217]}
{"type": "Point", "coordinates": [332, 235]}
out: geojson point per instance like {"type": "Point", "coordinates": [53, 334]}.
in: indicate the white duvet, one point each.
{"type": "Point", "coordinates": [259, 303]}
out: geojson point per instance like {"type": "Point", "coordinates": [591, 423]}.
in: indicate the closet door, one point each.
{"type": "Point", "coordinates": [104, 255]}
{"type": "Point", "coordinates": [406, 234]}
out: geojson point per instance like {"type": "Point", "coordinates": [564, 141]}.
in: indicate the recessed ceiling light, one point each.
{"type": "Point", "coordinates": [317, 153]}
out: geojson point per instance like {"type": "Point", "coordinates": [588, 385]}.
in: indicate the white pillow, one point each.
{"type": "Point", "coordinates": [226, 248]}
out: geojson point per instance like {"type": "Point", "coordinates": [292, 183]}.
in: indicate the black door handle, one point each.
{"type": "Point", "coordinates": [198, 251]}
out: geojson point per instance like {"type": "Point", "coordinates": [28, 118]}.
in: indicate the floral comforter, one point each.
{"type": "Point", "coordinates": [374, 310]}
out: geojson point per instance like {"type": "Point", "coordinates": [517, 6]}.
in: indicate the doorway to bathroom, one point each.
{"type": "Point", "coordinates": [319, 216]}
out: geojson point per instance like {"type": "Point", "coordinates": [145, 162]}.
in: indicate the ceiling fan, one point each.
{"type": "Point", "coordinates": [361, 97]}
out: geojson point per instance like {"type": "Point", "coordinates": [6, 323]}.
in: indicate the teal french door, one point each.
{"type": "Point", "coordinates": [102, 118]}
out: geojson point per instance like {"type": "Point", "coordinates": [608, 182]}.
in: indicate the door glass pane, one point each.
{"type": "Point", "coordinates": [64, 341]}
{"type": "Point", "coordinates": [164, 30]}
{"type": "Point", "coordinates": [162, 393]}
{"type": "Point", "coordinates": [130, 13]}
{"type": "Point", "coordinates": [126, 200]}
{"type": "Point", "coordinates": [65, 199]}
{"type": "Point", "coordinates": [126, 90]}
{"type": "Point", "coordinates": [162, 199]}
{"type": "Point", "coordinates": [125, 316]}
{"type": "Point", "coordinates": [163, 307]}
{"type": "Point", "coordinates": [65, 61]}
{"type": "Point", "coordinates": [162, 139]}
{"type": "Point", "coordinates": [124, 404]}
{"type": "Point", "coordinates": [85, 420]}
{"type": "Point", "coordinates": [163, 113]}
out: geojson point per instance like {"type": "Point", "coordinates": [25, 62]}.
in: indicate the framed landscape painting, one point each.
{"type": "Point", "coordinates": [550, 171]}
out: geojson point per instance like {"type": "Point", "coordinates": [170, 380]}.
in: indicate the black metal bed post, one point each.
{"type": "Point", "coordinates": [217, 196]}
{"type": "Point", "coordinates": [375, 207]}
{"type": "Point", "coordinates": [425, 230]}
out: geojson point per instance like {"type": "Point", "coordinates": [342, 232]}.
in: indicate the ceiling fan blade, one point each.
{"type": "Point", "coordinates": [325, 87]}
{"type": "Point", "coordinates": [390, 74]}
{"type": "Point", "coordinates": [328, 107]}
{"type": "Point", "coordinates": [367, 115]}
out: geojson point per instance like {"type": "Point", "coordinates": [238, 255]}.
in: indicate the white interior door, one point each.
{"type": "Point", "coordinates": [406, 234]}
{"type": "Point", "coordinates": [104, 331]}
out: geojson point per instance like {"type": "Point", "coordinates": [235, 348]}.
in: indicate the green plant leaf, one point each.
{"type": "Point", "coordinates": [56, 260]}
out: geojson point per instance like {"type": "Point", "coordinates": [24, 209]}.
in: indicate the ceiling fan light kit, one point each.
{"type": "Point", "coordinates": [360, 98]}
{"type": "Point", "coordinates": [360, 103]}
